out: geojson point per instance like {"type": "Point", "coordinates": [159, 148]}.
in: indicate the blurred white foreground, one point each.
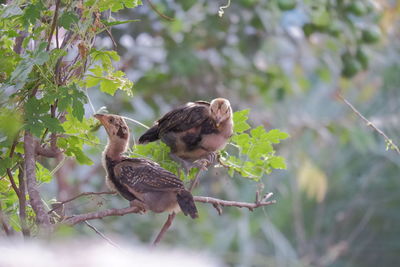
{"type": "Point", "coordinates": [86, 253]}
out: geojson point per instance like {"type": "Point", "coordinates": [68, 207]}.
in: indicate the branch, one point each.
{"type": "Point", "coordinates": [389, 141]}
{"type": "Point", "coordinates": [3, 221]}
{"type": "Point", "coordinates": [102, 235]}
{"type": "Point", "coordinates": [12, 181]}
{"type": "Point", "coordinates": [227, 203]}
{"type": "Point", "coordinates": [165, 228]}
{"type": "Point", "coordinates": [72, 220]}
{"type": "Point", "coordinates": [22, 203]}
{"type": "Point", "coordinates": [30, 171]}
{"type": "Point", "coordinates": [158, 12]}
{"type": "Point", "coordinates": [53, 25]}
{"type": "Point", "coordinates": [48, 152]}
{"type": "Point", "coordinates": [100, 214]}
{"type": "Point", "coordinates": [59, 204]}
{"type": "Point", "coordinates": [171, 216]}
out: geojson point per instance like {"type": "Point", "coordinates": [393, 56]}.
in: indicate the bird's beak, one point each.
{"type": "Point", "coordinates": [100, 117]}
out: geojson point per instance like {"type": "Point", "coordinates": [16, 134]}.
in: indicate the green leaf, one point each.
{"type": "Point", "coordinates": [42, 174]}
{"type": "Point", "coordinates": [67, 19]}
{"type": "Point", "coordinates": [239, 121]}
{"type": "Point", "coordinates": [277, 162]}
{"type": "Point", "coordinates": [256, 155]}
{"type": "Point", "coordinates": [108, 86]}
{"type": "Point", "coordinates": [275, 136]}
{"type": "Point", "coordinates": [32, 13]}
{"type": "Point", "coordinates": [4, 164]}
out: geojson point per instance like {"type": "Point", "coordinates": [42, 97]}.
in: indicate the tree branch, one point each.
{"type": "Point", "coordinates": [158, 12]}
{"type": "Point", "coordinates": [165, 228]}
{"type": "Point", "coordinates": [72, 220]}
{"type": "Point", "coordinates": [238, 204]}
{"type": "Point", "coordinates": [48, 152]}
{"type": "Point", "coordinates": [22, 203]}
{"type": "Point", "coordinates": [388, 141]}
{"type": "Point", "coordinates": [30, 171]}
{"type": "Point", "coordinates": [102, 235]}
{"type": "Point", "coordinates": [100, 214]}
{"type": "Point", "coordinates": [171, 216]}
{"type": "Point", "coordinates": [3, 221]}
{"type": "Point", "coordinates": [60, 204]}
{"type": "Point", "coordinates": [53, 25]}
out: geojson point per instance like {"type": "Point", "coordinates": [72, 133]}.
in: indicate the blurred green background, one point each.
{"type": "Point", "coordinates": [338, 201]}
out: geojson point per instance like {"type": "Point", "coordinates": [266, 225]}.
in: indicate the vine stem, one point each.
{"type": "Point", "coordinates": [389, 141]}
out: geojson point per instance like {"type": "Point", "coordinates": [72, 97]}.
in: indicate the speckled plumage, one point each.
{"type": "Point", "coordinates": [141, 181]}
{"type": "Point", "coordinates": [194, 130]}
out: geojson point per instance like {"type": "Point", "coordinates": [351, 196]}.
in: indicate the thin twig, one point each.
{"type": "Point", "coordinates": [13, 184]}
{"type": "Point", "coordinates": [108, 31]}
{"type": "Point", "coordinates": [158, 12]}
{"type": "Point", "coordinates": [102, 235]}
{"type": "Point", "coordinates": [58, 205]}
{"type": "Point", "coordinates": [165, 228]}
{"type": "Point", "coordinates": [389, 141]}
{"type": "Point", "coordinates": [53, 25]}
{"type": "Point", "coordinates": [171, 216]}
{"type": "Point", "coordinates": [137, 122]}
{"type": "Point", "coordinates": [195, 181]}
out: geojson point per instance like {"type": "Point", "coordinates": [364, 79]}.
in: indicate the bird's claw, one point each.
{"type": "Point", "coordinates": [140, 205]}
{"type": "Point", "coordinates": [202, 164]}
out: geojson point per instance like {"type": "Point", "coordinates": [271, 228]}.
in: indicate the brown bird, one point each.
{"type": "Point", "coordinates": [194, 132]}
{"type": "Point", "coordinates": [143, 182]}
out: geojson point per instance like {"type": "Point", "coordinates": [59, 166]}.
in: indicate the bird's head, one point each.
{"type": "Point", "coordinates": [221, 110]}
{"type": "Point", "coordinates": [116, 127]}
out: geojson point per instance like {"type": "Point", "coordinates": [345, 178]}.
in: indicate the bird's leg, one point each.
{"type": "Point", "coordinates": [139, 204]}
{"type": "Point", "coordinates": [187, 165]}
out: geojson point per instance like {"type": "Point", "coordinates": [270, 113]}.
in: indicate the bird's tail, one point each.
{"type": "Point", "coordinates": [186, 203]}
{"type": "Point", "coordinates": [150, 135]}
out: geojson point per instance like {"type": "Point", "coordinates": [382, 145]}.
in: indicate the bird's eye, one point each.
{"type": "Point", "coordinates": [111, 120]}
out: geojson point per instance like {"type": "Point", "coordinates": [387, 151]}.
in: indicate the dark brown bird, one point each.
{"type": "Point", "coordinates": [194, 132]}
{"type": "Point", "coordinates": [143, 182]}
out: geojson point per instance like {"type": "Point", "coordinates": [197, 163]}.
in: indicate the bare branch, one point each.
{"type": "Point", "coordinates": [18, 42]}
{"type": "Point", "coordinates": [158, 12]}
{"type": "Point", "coordinates": [58, 205]}
{"type": "Point", "coordinates": [227, 203]}
{"type": "Point", "coordinates": [171, 216]}
{"type": "Point", "coordinates": [30, 171]}
{"type": "Point", "coordinates": [72, 220]}
{"type": "Point", "coordinates": [12, 181]}
{"type": "Point", "coordinates": [100, 214]}
{"type": "Point", "coordinates": [22, 203]}
{"type": "Point", "coordinates": [165, 228]}
{"type": "Point", "coordinates": [102, 235]}
{"type": "Point", "coordinates": [388, 141]}
{"type": "Point", "coordinates": [48, 152]}
{"type": "Point", "coordinates": [3, 221]}
{"type": "Point", "coordinates": [54, 24]}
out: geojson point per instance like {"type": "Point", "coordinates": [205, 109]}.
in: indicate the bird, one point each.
{"type": "Point", "coordinates": [143, 182]}
{"type": "Point", "coordinates": [194, 132]}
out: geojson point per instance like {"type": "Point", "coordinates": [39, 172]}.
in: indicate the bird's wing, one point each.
{"type": "Point", "coordinates": [184, 118]}
{"type": "Point", "coordinates": [143, 176]}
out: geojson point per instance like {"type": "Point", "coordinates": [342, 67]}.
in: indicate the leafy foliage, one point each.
{"type": "Point", "coordinates": [255, 153]}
